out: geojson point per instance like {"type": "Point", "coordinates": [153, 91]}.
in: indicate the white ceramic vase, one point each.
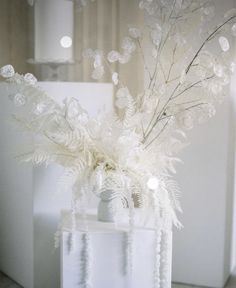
{"type": "Point", "coordinates": [108, 206]}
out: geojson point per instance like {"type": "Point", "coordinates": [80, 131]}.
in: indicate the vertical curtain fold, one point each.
{"type": "Point", "coordinates": [14, 34]}
{"type": "Point", "coordinates": [102, 25]}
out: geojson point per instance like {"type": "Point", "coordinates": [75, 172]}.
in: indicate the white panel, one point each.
{"type": "Point", "coordinates": [109, 259]}
{"type": "Point", "coordinates": [16, 210]}
{"type": "Point", "coordinates": [93, 97]}
{"type": "Point", "coordinates": [29, 203]}
{"type": "Point", "coordinates": [47, 202]}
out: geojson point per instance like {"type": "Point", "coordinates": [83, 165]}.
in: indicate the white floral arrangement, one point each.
{"type": "Point", "coordinates": [133, 153]}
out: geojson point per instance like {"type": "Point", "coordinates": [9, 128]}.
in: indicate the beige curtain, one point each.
{"type": "Point", "coordinates": [103, 24]}
{"type": "Point", "coordinates": [14, 34]}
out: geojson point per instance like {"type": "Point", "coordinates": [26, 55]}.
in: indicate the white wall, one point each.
{"type": "Point", "coordinates": [16, 209]}
{"type": "Point", "coordinates": [233, 157]}
{"type": "Point", "coordinates": [201, 249]}
{"type": "Point", "coordinates": [48, 201]}
{"type": "Point", "coordinates": [204, 251]}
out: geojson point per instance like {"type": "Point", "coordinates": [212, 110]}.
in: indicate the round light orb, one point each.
{"type": "Point", "coordinates": [66, 41]}
{"type": "Point", "coordinates": [153, 183]}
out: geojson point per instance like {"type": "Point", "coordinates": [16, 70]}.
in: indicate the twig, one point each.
{"type": "Point", "coordinates": [163, 128]}
{"type": "Point", "coordinates": [191, 86]}
{"type": "Point", "coordinates": [206, 40]}
{"type": "Point", "coordinates": [144, 61]}
{"type": "Point", "coordinates": [172, 63]}
{"type": "Point", "coordinates": [161, 113]}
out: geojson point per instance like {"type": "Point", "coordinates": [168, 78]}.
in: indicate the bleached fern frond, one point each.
{"type": "Point", "coordinates": [129, 111]}
{"type": "Point", "coordinates": [126, 105]}
{"type": "Point", "coordinates": [73, 173]}
{"type": "Point", "coordinates": [20, 123]}
{"type": "Point", "coordinates": [72, 140]}
{"type": "Point", "coordinates": [173, 190]}
{"type": "Point", "coordinates": [173, 146]}
{"type": "Point", "coordinates": [137, 199]}
{"type": "Point", "coordinates": [137, 191]}
{"type": "Point", "coordinates": [175, 220]}
{"type": "Point", "coordinates": [112, 182]}
{"type": "Point", "coordinates": [37, 157]}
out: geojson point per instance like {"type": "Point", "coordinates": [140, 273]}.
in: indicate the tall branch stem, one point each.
{"type": "Point", "coordinates": [206, 40]}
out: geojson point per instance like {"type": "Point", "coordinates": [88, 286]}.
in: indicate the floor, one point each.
{"type": "Point", "coordinates": [5, 282]}
{"type": "Point", "coordinates": [230, 284]}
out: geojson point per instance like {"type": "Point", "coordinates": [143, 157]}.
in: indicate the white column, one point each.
{"type": "Point", "coordinates": [53, 30]}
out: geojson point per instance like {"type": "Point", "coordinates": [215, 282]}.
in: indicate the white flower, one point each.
{"type": "Point", "coordinates": [154, 53]}
{"type": "Point", "coordinates": [224, 43]}
{"type": "Point", "coordinates": [149, 104]}
{"type": "Point", "coordinates": [179, 39]}
{"type": "Point", "coordinates": [230, 13]}
{"type": "Point", "coordinates": [124, 58]}
{"type": "Point", "coordinates": [162, 89]}
{"type": "Point", "coordinates": [135, 32]}
{"type": "Point", "coordinates": [98, 73]}
{"type": "Point", "coordinates": [74, 108]}
{"type": "Point", "coordinates": [156, 35]}
{"type": "Point", "coordinates": [225, 79]}
{"type": "Point", "coordinates": [97, 61]}
{"type": "Point", "coordinates": [209, 11]}
{"type": "Point", "coordinates": [150, 8]}
{"type": "Point", "coordinates": [7, 71]}
{"type": "Point", "coordinates": [30, 79]}
{"type": "Point", "coordinates": [183, 77]}
{"type": "Point", "coordinates": [19, 99]}
{"type": "Point", "coordinates": [233, 29]}
{"type": "Point", "coordinates": [232, 67]}
{"type": "Point", "coordinates": [211, 111]}
{"type": "Point", "coordinates": [207, 112]}
{"type": "Point", "coordinates": [215, 87]}
{"type": "Point", "coordinates": [141, 4]}
{"type": "Point", "coordinates": [40, 108]}
{"type": "Point", "coordinates": [122, 98]}
{"type": "Point", "coordinates": [179, 3]}
{"type": "Point", "coordinates": [186, 120]}
{"type": "Point", "coordinates": [218, 70]}
{"type": "Point", "coordinates": [113, 56]}
{"type": "Point", "coordinates": [88, 53]}
{"type": "Point", "coordinates": [206, 59]}
{"type": "Point", "coordinates": [186, 3]}
{"type": "Point", "coordinates": [128, 45]}
{"type": "Point", "coordinates": [121, 103]}
{"type": "Point", "coordinates": [115, 79]}
{"type": "Point", "coordinates": [201, 72]}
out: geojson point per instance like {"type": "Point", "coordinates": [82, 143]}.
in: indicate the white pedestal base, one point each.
{"type": "Point", "coordinates": [109, 265]}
